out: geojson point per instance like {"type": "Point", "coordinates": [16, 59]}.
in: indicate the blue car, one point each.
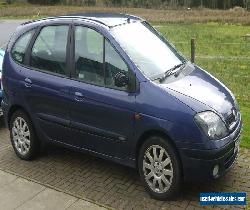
{"type": "Point", "coordinates": [2, 52]}
{"type": "Point", "coordinates": [112, 86]}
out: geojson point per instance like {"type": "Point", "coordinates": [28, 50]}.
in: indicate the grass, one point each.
{"type": "Point", "coordinates": [171, 16]}
{"type": "Point", "coordinates": [222, 51]}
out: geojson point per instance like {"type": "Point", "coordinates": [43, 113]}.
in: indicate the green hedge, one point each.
{"type": "Point", "coordinates": [47, 2]}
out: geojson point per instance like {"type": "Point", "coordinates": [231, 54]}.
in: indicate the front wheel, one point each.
{"type": "Point", "coordinates": [22, 135]}
{"type": "Point", "coordinates": [160, 168]}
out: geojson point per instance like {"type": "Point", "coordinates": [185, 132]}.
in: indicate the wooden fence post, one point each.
{"type": "Point", "coordinates": [192, 50]}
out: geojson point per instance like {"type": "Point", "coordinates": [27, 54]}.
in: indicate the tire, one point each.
{"type": "Point", "coordinates": [23, 137]}
{"type": "Point", "coordinates": [160, 168]}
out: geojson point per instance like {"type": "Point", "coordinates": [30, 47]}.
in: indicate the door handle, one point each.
{"type": "Point", "coordinates": [79, 96]}
{"type": "Point", "coordinates": [28, 82]}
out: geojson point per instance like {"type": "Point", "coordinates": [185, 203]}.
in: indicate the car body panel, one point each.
{"type": "Point", "coordinates": [201, 86]}
{"type": "Point", "coordinates": [106, 114]}
{"type": "Point", "coordinates": [49, 100]}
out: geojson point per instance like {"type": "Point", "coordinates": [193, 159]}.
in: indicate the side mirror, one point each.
{"type": "Point", "coordinates": [121, 79]}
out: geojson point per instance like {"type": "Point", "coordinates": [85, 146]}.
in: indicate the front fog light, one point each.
{"type": "Point", "coordinates": [216, 171]}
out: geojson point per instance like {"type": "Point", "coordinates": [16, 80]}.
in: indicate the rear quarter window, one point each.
{"type": "Point", "coordinates": [19, 48]}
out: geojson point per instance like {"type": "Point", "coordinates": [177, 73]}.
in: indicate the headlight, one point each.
{"type": "Point", "coordinates": [211, 124]}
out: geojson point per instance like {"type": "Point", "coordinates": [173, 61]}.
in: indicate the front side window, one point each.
{"type": "Point", "coordinates": [50, 49]}
{"type": "Point", "coordinates": [96, 60]}
{"type": "Point", "coordinates": [89, 55]}
{"type": "Point", "coordinates": [19, 49]}
{"type": "Point", "coordinates": [113, 66]}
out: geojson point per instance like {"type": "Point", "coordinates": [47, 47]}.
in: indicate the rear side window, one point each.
{"type": "Point", "coordinates": [50, 49]}
{"type": "Point", "coordinates": [19, 49]}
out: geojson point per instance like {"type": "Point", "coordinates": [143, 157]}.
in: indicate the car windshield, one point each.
{"type": "Point", "coordinates": [152, 54]}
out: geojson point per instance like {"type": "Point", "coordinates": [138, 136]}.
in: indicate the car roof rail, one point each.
{"type": "Point", "coordinates": [66, 17]}
{"type": "Point", "coordinates": [91, 17]}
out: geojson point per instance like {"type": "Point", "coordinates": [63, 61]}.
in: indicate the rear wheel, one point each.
{"type": "Point", "coordinates": [159, 168]}
{"type": "Point", "coordinates": [22, 135]}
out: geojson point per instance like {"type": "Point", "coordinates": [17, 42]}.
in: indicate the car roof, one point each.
{"type": "Point", "coordinates": [107, 19]}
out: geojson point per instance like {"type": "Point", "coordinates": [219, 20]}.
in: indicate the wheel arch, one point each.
{"type": "Point", "coordinates": [12, 110]}
{"type": "Point", "coordinates": [154, 132]}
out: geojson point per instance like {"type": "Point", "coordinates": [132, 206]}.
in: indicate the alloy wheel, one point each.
{"type": "Point", "coordinates": [21, 135]}
{"type": "Point", "coordinates": [158, 169]}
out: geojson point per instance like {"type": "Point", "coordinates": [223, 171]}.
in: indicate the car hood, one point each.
{"type": "Point", "coordinates": [200, 90]}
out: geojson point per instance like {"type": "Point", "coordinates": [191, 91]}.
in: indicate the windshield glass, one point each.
{"type": "Point", "coordinates": [150, 51]}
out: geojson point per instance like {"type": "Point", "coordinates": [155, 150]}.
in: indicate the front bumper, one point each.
{"type": "Point", "coordinates": [198, 165]}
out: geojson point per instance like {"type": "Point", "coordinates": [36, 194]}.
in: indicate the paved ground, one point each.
{"type": "Point", "coordinates": [110, 184]}
{"type": "Point", "coordinates": [21, 194]}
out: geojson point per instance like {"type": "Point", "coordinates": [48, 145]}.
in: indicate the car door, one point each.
{"type": "Point", "coordinates": [45, 83]}
{"type": "Point", "coordinates": [102, 115]}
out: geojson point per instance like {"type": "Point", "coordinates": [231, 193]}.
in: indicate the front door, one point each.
{"type": "Point", "coordinates": [102, 115]}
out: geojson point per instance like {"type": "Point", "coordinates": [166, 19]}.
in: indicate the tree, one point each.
{"type": "Point", "coordinates": [248, 5]}
{"type": "Point", "coordinates": [213, 4]}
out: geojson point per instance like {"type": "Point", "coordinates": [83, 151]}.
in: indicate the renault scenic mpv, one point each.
{"type": "Point", "coordinates": [112, 86]}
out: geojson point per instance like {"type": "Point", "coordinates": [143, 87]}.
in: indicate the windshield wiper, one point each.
{"type": "Point", "coordinates": [174, 70]}
{"type": "Point", "coordinates": [177, 72]}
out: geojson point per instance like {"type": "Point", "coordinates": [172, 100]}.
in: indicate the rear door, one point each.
{"type": "Point", "coordinates": [46, 82]}
{"type": "Point", "coordinates": [102, 115]}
